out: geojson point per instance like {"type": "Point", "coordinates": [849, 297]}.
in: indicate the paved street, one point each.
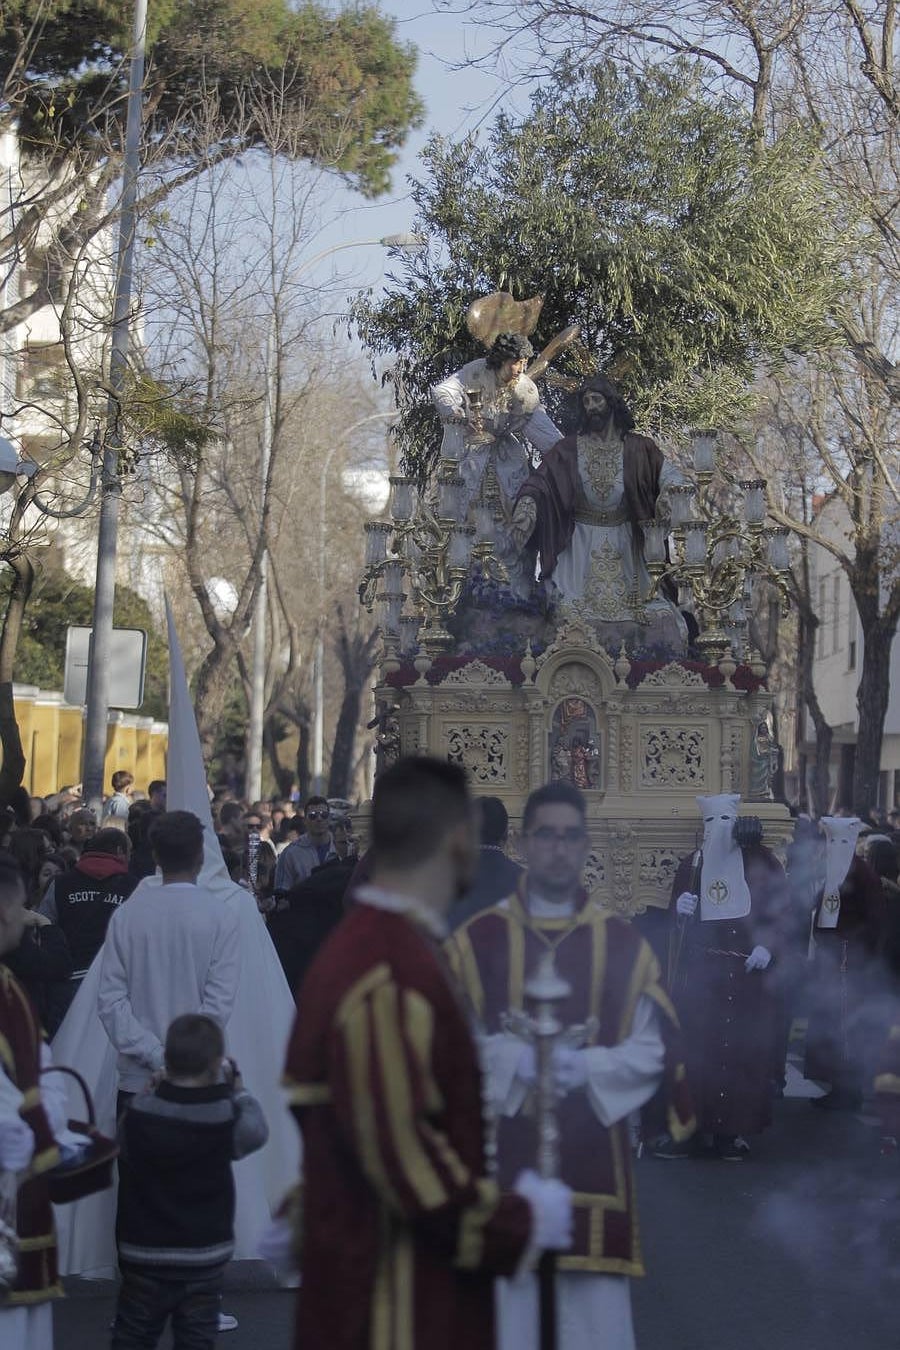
{"type": "Point", "coordinates": [795, 1249]}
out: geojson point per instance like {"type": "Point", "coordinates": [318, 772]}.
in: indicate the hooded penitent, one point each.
{"type": "Point", "coordinates": [841, 834]}
{"type": "Point", "coordinates": [256, 1035]}
{"type": "Point", "coordinates": [724, 890]}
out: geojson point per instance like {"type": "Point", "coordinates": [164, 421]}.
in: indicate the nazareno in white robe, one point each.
{"type": "Point", "coordinates": [256, 1036]}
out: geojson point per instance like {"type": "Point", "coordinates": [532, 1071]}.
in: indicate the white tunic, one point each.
{"type": "Point", "coordinates": [594, 1309]}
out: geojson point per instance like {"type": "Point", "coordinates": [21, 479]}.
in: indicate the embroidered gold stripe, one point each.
{"type": "Point", "coordinates": [418, 1169]}
{"type": "Point", "coordinates": [465, 968]}
{"type": "Point", "coordinates": [598, 970]}
{"type": "Point", "coordinates": [358, 1044]}
{"type": "Point", "coordinates": [470, 1250]}
{"type": "Point", "coordinates": [308, 1094]}
{"type": "Point", "coordinates": [361, 990]}
{"type": "Point", "coordinates": [418, 1024]}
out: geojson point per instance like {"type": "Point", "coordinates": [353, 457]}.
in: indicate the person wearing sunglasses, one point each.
{"type": "Point", "coordinates": [312, 849]}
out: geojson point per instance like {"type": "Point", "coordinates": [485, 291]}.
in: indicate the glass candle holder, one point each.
{"type": "Point", "coordinates": [681, 499]}
{"type": "Point", "coordinates": [777, 548]}
{"type": "Point", "coordinates": [754, 501]}
{"type": "Point", "coordinates": [695, 544]}
{"type": "Point", "coordinates": [401, 498]}
{"type": "Point", "coordinates": [377, 534]}
{"type": "Point", "coordinates": [654, 541]}
{"type": "Point", "coordinates": [704, 450]}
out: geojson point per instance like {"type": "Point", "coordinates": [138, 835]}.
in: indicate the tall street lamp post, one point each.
{"type": "Point", "coordinates": [110, 480]}
{"type": "Point", "coordinates": [398, 243]}
{"type": "Point", "coordinates": [318, 775]}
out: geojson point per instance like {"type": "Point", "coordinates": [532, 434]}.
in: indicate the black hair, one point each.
{"type": "Point", "coordinates": [110, 840]}
{"type": "Point", "coordinates": [508, 347]}
{"type": "Point", "coordinates": [12, 882]}
{"type": "Point", "coordinates": [315, 801]}
{"type": "Point", "coordinates": [193, 1044]}
{"type": "Point", "coordinates": [574, 417]}
{"type": "Point", "coordinates": [176, 838]}
{"type": "Point", "coordinates": [494, 819]}
{"type": "Point", "coordinates": [882, 858]}
{"type": "Point", "coordinates": [415, 803]}
{"type": "Point", "coordinates": [552, 794]}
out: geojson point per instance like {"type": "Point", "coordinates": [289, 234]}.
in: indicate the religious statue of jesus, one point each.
{"type": "Point", "coordinates": [582, 511]}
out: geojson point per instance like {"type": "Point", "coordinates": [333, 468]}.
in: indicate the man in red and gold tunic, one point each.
{"type": "Point", "coordinates": [621, 1044]}
{"type": "Point", "coordinates": [403, 1231]}
{"type": "Point", "coordinates": [27, 1145]}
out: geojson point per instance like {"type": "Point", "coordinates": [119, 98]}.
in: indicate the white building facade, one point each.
{"type": "Point", "coordinates": [838, 666]}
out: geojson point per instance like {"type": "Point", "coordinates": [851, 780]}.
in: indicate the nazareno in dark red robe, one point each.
{"type": "Point", "coordinates": [403, 1232]}
{"type": "Point", "coordinates": [20, 1059]}
{"type": "Point", "coordinates": [609, 968]}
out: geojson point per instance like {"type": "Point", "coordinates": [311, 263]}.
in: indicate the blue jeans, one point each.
{"type": "Point", "coordinates": [146, 1303]}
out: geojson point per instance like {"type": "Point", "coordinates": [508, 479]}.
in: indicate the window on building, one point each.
{"type": "Point", "coordinates": [836, 614]}
{"type": "Point", "coordinates": [821, 617]}
{"type": "Point", "coordinates": [44, 269]}
{"type": "Point", "coordinates": [851, 654]}
{"type": "Point", "coordinates": [42, 372]}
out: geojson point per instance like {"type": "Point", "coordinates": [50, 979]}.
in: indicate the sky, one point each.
{"type": "Point", "coordinates": [456, 101]}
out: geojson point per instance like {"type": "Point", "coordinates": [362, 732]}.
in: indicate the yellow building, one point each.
{"type": "Point", "coordinates": [52, 732]}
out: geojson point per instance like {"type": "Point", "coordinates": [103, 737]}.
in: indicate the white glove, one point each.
{"type": "Point", "coordinates": [551, 1208]}
{"type": "Point", "coordinates": [16, 1145]}
{"type": "Point", "coordinates": [526, 1069]}
{"type": "Point", "coordinates": [686, 905]}
{"type": "Point", "coordinates": [570, 1070]}
{"type": "Point", "coordinates": [759, 959]}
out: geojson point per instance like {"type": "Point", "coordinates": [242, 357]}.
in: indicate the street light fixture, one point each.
{"type": "Point", "coordinates": [408, 244]}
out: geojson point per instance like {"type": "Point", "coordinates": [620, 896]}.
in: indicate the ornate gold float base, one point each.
{"type": "Point", "coordinates": [641, 741]}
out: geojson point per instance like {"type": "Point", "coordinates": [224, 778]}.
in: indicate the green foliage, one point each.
{"type": "Point", "coordinates": [342, 78]}
{"type": "Point", "coordinates": [166, 419]}
{"type": "Point", "coordinates": [58, 601]}
{"type": "Point", "coordinates": [647, 214]}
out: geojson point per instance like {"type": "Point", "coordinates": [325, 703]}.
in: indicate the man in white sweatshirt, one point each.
{"type": "Point", "coordinates": [171, 949]}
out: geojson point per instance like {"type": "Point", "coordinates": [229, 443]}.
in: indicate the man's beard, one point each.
{"type": "Point", "coordinates": [598, 423]}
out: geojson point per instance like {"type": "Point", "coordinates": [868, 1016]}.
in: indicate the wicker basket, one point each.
{"type": "Point", "coordinates": [91, 1171]}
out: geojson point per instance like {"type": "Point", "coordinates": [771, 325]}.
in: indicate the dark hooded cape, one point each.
{"type": "Point", "coordinates": [555, 486]}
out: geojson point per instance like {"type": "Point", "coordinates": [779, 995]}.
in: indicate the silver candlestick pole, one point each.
{"type": "Point", "coordinates": [545, 991]}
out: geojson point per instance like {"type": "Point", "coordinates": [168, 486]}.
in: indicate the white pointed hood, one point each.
{"type": "Point", "coordinates": [724, 893]}
{"type": "Point", "coordinates": [186, 787]}
{"type": "Point", "coordinates": [841, 834]}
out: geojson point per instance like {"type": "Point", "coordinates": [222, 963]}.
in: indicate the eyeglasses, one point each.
{"type": "Point", "coordinates": [316, 815]}
{"type": "Point", "coordinates": [546, 836]}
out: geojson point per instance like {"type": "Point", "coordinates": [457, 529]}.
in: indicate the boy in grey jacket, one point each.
{"type": "Point", "coordinates": [175, 1222]}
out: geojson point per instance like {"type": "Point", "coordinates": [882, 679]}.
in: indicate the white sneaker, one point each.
{"type": "Point", "coordinates": [227, 1322]}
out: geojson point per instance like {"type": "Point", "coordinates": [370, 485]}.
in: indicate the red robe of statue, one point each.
{"type": "Point", "coordinates": [20, 1057]}
{"type": "Point", "coordinates": [845, 1022]}
{"type": "Point", "coordinates": [609, 967]}
{"type": "Point", "coordinates": [729, 1017]}
{"type": "Point", "coordinates": [403, 1233]}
